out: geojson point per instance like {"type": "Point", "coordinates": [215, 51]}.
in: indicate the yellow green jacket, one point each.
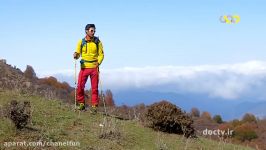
{"type": "Point", "coordinates": [90, 55]}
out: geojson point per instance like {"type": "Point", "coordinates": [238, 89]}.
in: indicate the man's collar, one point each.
{"type": "Point", "coordinates": [88, 39]}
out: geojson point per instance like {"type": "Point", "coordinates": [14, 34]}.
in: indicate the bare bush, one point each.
{"type": "Point", "coordinates": [110, 130]}
{"type": "Point", "coordinates": [19, 113]}
{"type": "Point", "coordinates": [166, 117]}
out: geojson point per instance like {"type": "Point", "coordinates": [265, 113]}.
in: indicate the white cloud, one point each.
{"type": "Point", "coordinates": [229, 81]}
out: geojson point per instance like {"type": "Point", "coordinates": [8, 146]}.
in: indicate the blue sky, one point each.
{"type": "Point", "coordinates": [147, 43]}
{"type": "Point", "coordinates": [134, 33]}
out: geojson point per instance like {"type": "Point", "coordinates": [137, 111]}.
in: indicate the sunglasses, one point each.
{"type": "Point", "coordinates": [92, 31]}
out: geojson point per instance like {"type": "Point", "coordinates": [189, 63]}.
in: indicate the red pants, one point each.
{"type": "Point", "coordinates": [83, 76]}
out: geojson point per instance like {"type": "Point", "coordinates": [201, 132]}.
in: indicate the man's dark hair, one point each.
{"type": "Point", "coordinates": [88, 26]}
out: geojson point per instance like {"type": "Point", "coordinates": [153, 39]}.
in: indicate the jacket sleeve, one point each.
{"type": "Point", "coordinates": [100, 53]}
{"type": "Point", "coordinates": [78, 48]}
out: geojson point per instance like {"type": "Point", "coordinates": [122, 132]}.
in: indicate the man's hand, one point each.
{"type": "Point", "coordinates": [76, 55]}
{"type": "Point", "coordinates": [97, 64]}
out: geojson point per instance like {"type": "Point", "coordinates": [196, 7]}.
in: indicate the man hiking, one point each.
{"type": "Point", "coordinates": [90, 49]}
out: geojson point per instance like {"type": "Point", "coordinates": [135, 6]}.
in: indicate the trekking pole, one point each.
{"type": "Point", "coordinates": [104, 115]}
{"type": "Point", "coordinates": [75, 79]}
{"type": "Point", "coordinates": [103, 97]}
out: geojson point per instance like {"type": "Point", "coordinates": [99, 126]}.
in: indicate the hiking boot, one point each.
{"type": "Point", "coordinates": [81, 106]}
{"type": "Point", "coordinates": [93, 109]}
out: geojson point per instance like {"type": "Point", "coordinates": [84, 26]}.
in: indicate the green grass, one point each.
{"type": "Point", "coordinates": [55, 121]}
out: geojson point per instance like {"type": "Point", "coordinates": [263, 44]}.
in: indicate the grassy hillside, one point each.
{"type": "Point", "coordinates": [55, 121]}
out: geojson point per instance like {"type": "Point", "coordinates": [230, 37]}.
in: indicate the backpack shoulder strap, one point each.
{"type": "Point", "coordinates": [96, 41]}
{"type": "Point", "coordinates": [83, 42]}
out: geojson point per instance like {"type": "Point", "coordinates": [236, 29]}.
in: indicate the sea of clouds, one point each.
{"type": "Point", "coordinates": [227, 81]}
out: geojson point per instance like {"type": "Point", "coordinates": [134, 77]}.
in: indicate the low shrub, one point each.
{"type": "Point", "coordinates": [166, 117]}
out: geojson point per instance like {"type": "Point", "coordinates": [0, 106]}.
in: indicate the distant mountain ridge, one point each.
{"type": "Point", "coordinates": [228, 109]}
